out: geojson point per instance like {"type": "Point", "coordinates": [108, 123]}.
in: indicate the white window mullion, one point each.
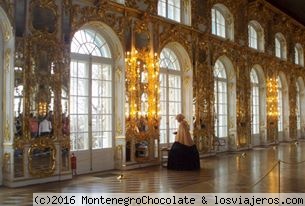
{"type": "Point", "coordinates": [167, 110]}
{"type": "Point", "coordinates": [90, 111]}
{"type": "Point", "coordinates": [217, 109]}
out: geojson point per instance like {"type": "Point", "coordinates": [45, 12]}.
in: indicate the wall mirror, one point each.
{"type": "Point", "coordinates": [64, 158]}
{"type": "Point", "coordinates": [42, 94]}
{"type": "Point", "coordinates": [44, 16]}
{"type": "Point", "coordinates": [18, 101]}
{"type": "Point", "coordinates": [142, 149]}
{"type": "Point", "coordinates": [18, 163]}
{"type": "Point", "coordinates": [42, 159]}
{"type": "Point", "coordinates": [18, 109]}
{"type": "Point", "coordinates": [142, 35]}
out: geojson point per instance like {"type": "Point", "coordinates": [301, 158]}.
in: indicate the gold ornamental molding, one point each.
{"type": "Point", "coordinates": [45, 11]}
{"type": "Point", "coordinates": [7, 163]}
{"type": "Point", "coordinates": [119, 127]}
{"type": "Point", "coordinates": [42, 149]}
{"type": "Point", "coordinates": [7, 133]}
{"type": "Point", "coordinates": [119, 73]}
{"type": "Point", "coordinates": [81, 16]}
{"type": "Point", "coordinates": [7, 57]}
{"type": "Point", "coordinates": [7, 30]}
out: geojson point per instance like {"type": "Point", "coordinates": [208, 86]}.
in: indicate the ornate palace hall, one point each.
{"type": "Point", "coordinates": [96, 96]}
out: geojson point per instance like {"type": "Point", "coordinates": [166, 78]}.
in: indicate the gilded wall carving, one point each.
{"type": "Point", "coordinates": [293, 105]}
{"type": "Point", "coordinates": [203, 96]}
{"type": "Point", "coordinates": [151, 33]}
{"type": "Point", "coordinates": [8, 7]}
{"type": "Point", "coordinates": [143, 5]}
{"type": "Point", "coordinates": [175, 33]}
{"type": "Point", "coordinates": [200, 21]}
{"type": "Point", "coordinates": [99, 12]}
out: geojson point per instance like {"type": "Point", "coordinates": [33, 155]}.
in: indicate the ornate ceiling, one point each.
{"type": "Point", "coordinates": [294, 8]}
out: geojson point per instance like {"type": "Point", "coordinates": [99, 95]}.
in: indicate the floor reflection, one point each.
{"type": "Point", "coordinates": [256, 170]}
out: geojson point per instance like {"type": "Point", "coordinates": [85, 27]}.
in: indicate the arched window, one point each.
{"type": "Point", "coordinates": [253, 41]}
{"type": "Point", "coordinates": [176, 10]}
{"type": "Point", "coordinates": [256, 36]}
{"type": "Point", "coordinates": [298, 55]}
{"type": "Point", "coordinates": [255, 107]}
{"type": "Point", "coordinates": [170, 94]}
{"type": "Point", "coordinates": [280, 46]}
{"type": "Point", "coordinates": [220, 100]}
{"type": "Point", "coordinates": [222, 22]}
{"type": "Point", "coordinates": [90, 92]}
{"type": "Point", "coordinates": [298, 106]}
{"type": "Point", "coordinates": [280, 104]}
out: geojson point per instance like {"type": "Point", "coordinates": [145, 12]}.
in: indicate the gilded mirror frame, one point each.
{"type": "Point", "coordinates": [47, 146]}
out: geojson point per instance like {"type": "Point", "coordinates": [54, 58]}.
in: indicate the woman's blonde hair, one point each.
{"type": "Point", "coordinates": [180, 117]}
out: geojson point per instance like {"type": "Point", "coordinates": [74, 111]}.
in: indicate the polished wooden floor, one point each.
{"type": "Point", "coordinates": [263, 169]}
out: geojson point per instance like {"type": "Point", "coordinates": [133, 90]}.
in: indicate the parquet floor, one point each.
{"type": "Point", "coordinates": [255, 170]}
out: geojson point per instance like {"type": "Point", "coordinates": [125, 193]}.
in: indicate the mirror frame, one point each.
{"type": "Point", "coordinates": [40, 144]}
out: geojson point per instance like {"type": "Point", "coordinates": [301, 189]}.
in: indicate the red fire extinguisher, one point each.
{"type": "Point", "coordinates": [73, 164]}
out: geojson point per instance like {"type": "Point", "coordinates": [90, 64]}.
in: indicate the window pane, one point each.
{"type": "Point", "coordinates": [82, 87]}
{"type": "Point", "coordinates": [79, 141]}
{"type": "Point", "coordinates": [82, 105]}
{"type": "Point", "coordinates": [277, 48]}
{"type": "Point", "coordinates": [218, 23]}
{"type": "Point", "coordinates": [253, 40]}
{"type": "Point", "coordinates": [162, 8]}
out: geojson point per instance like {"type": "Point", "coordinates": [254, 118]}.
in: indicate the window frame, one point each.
{"type": "Point", "coordinates": [167, 72]}
{"type": "Point", "coordinates": [255, 85]}
{"type": "Point", "coordinates": [280, 46]}
{"type": "Point", "coordinates": [89, 61]}
{"type": "Point", "coordinates": [298, 55]}
{"type": "Point", "coordinates": [218, 80]}
{"type": "Point", "coordinates": [217, 14]}
{"type": "Point", "coordinates": [252, 39]}
{"type": "Point", "coordinates": [166, 15]}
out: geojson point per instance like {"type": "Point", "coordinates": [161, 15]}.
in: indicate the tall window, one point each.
{"type": "Point", "coordinates": [218, 23]}
{"type": "Point", "coordinates": [254, 102]}
{"type": "Point", "coordinates": [256, 36]}
{"type": "Point", "coordinates": [280, 104]}
{"type": "Point", "coordinates": [90, 92]}
{"type": "Point", "coordinates": [280, 46]}
{"type": "Point", "coordinates": [253, 40]}
{"type": "Point", "coordinates": [170, 9]}
{"type": "Point", "coordinates": [220, 100]}
{"type": "Point", "coordinates": [170, 94]}
{"type": "Point", "coordinates": [298, 107]}
{"type": "Point", "coordinates": [298, 55]}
